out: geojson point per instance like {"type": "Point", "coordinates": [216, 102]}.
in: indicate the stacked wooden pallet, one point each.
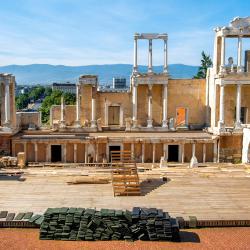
{"type": "Point", "coordinates": [125, 179]}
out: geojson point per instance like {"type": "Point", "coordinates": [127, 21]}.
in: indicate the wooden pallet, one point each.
{"type": "Point", "coordinates": [125, 179]}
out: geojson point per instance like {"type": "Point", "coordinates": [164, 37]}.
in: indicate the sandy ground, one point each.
{"type": "Point", "coordinates": [214, 238]}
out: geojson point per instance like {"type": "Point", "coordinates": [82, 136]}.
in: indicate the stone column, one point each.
{"type": "Point", "coordinates": [35, 152]}
{"type": "Point", "coordinates": [25, 148]}
{"type": "Point", "coordinates": [135, 68]}
{"type": "Point", "coordinates": [149, 121]}
{"type": "Point", "coordinates": [133, 150]}
{"type": "Point", "coordinates": [64, 152]}
{"type": "Point", "coordinates": [134, 102]}
{"type": "Point", "coordinates": [143, 152]}
{"type": "Point", "coordinates": [221, 122]}
{"type": "Point", "coordinates": [77, 121]}
{"type": "Point", "coordinates": [204, 152]}
{"type": "Point", "coordinates": [165, 67]}
{"type": "Point", "coordinates": [193, 150]}
{"type": "Point", "coordinates": [182, 153]}
{"type": "Point", "coordinates": [93, 113]}
{"type": "Point", "coordinates": [62, 121]}
{"type": "Point", "coordinates": [165, 151]}
{"type": "Point", "coordinates": [165, 106]}
{"type": "Point", "coordinates": [97, 153]}
{"type": "Point", "coordinates": [223, 45]}
{"type": "Point", "coordinates": [238, 107]}
{"type": "Point", "coordinates": [239, 58]}
{"type": "Point", "coordinates": [150, 56]}
{"type": "Point", "coordinates": [153, 160]}
{"type": "Point", "coordinates": [86, 153]}
{"type": "Point", "coordinates": [7, 103]}
{"type": "Point", "coordinates": [215, 152]}
{"type": "Point", "coordinates": [47, 152]}
{"type": "Point", "coordinates": [75, 153]}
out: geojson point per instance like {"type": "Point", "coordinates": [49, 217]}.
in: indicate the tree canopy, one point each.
{"type": "Point", "coordinates": [206, 62]}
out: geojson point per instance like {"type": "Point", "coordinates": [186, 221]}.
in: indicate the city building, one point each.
{"type": "Point", "coordinates": [157, 118]}
{"type": "Point", "coordinates": [119, 83]}
{"type": "Point", "coordinates": [65, 87]}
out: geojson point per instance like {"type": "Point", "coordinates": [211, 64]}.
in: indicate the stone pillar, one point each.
{"type": "Point", "coordinates": [86, 153]}
{"type": "Point", "coordinates": [143, 152]}
{"type": "Point", "coordinates": [97, 153]}
{"type": "Point", "coordinates": [150, 121]}
{"type": "Point", "coordinates": [193, 150]}
{"type": "Point", "coordinates": [204, 152]}
{"type": "Point", "coordinates": [215, 152]}
{"type": "Point", "coordinates": [77, 121]}
{"type": "Point", "coordinates": [221, 122]}
{"type": "Point", "coordinates": [25, 148]}
{"type": "Point", "coordinates": [135, 68]}
{"type": "Point", "coordinates": [165, 107]}
{"type": "Point", "coordinates": [150, 56]}
{"type": "Point", "coordinates": [153, 160]}
{"type": "Point", "coordinates": [222, 65]}
{"type": "Point", "coordinates": [133, 150]}
{"type": "Point", "coordinates": [239, 57]}
{"type": "Point", "coordinates": [165, 67]}
{"type": "Point", "coordinates": [75, 153]}
{"type": "Point", "coordinates": [47, 152]}
{"type": "Point", "coordinates": [7, 103]}
{"type": "Point", "coordinates": [134, 102]}
{"type": "Point", "coordinates": [35, 145]}
{"type": "Point", "coordinates": [238, 107]}
{"type": "Point", "coordinates": [182, 153]}
{"type": "Point", "coordinates": [64, 152]}
{"type": "Point", "coordinates": [62, 121]}
{"type": "Point", "coordinates": [165, 151]}
{"type": "Point", "coordinates": [93, 113]}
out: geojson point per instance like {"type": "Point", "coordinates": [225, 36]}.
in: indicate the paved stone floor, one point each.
{"type": "Point", "coordinates": [212, 192]}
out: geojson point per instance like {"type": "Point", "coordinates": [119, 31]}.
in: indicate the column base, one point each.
{"type": "Point", "coordinates": [93, 124]}
{"type": "Point", "coordinates": [165, 124]}
{"type": "Point", "coordinates": [221, 125]}
{"type": "Point", "coordinates": [77, 124]}
{"type": "Point", "coordinates": [240, 69]}
{"type": "Point", "coordinates": [134, 123]}
{"type": "Point", "coordinates": [150, 123]}
{"type": "Point", "coordinates": [222, 70]}
{"type": "Point", "coordinates": [238, 126]}
{"type": "Point", "coordinates": [62, 124]}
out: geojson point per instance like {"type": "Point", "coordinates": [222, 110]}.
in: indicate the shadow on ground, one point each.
{"type": "Point", "coordinates": [189, 237]}
{"type": "Point", "coordinates": [12, 178]}
{"type": "Point", "coordinates": [149, 185]}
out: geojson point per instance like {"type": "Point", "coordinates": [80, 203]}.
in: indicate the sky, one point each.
{"type": "Point", "coordinates": [85, 32]}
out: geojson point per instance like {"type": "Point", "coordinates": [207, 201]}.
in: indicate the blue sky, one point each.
{"type": "Point", "coordinates": [84, 32]}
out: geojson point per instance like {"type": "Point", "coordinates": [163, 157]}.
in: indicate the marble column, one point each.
{"type": "Point", "coordinates": [150, 56]}
{"type": "Point", "coordinates": [143, 152]}
{"type": "Point", "coordinates": [239, 57]}
{"type": "Point", "coordinates": [134, 102]}
{"type": "Point", "coordinates": [77, 121]}
{"type": "Point", "coordinates": [150, 121]}
{"type": "Point", "coordinates": [93, 113]}
{"type": "Point", "coordinates": [86, 153]}
{"type": "Point", "coordinates": [133, 150]}
{"type": "Point", "coordinates": [64, 152]}
{"type": "Point", "coordinates": [215, 152]}
{"type": "Point", "coordinates": [7, 103]}
{"type": "Point", "coordinates": [165, 67]}
{"type": "Point", "coordinates": [135, 68]}
{"type": "Point", "coordinates": [204, 149]}
{"type": "Point", "coordinates": [35, 145]}
{"type": "Point", "coordinates": [75, 153]}
{"type": "Point", "coordinates": [62, 121]}
{"type": "Point", "coordinates": [165, 106]}
{"type": "Point", "coordinates": [153, 160]}
{"type": "Point", "coordinates": [221, 122]}
{"type": "Point", "coordinates": [97, 152]}
{"type": "Point", "coordinates": [193, 149]}
{"type": "Point", "coordinates": [222, 64]}
{"type": "Point", "coordinates": [238, 107]}
{"type": "Point", "coordinates": [182, 153]}
{"type": "Point", "coordinates": [165, 151]}
{"type": "Point", "coordinates": [47, 153]}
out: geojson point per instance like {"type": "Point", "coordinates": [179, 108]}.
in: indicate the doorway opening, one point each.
{"type": "Point", "coordinates": [112, 149]}
{"type": "Point", "coordinates": [114, 115]}
{"type": "Point", "coordinates": [181, 117]}
{"type": "Point", "coordinates": [173, 153]}
{"type": "Point", "coordinates": [56, 153]}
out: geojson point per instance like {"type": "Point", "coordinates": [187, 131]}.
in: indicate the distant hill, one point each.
{"type": "Point", "coordinates": [46, 73]}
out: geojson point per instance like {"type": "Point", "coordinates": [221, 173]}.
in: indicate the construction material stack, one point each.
{"type": "Point", "coordinates": [125, 179]}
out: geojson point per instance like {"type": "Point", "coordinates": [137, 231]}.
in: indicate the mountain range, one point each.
{"type": "Point", "coordinates": [47, 74]}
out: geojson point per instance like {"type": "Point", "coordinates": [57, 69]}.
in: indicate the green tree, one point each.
{"type": "Point", "coordinates": [55, 99]}
{"type": "Point", "coordinates": [37, 93]}
{"type": "Point", "coordinates": [22, 101]}
{"type": "Point", "coordinates": [206, 62]}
